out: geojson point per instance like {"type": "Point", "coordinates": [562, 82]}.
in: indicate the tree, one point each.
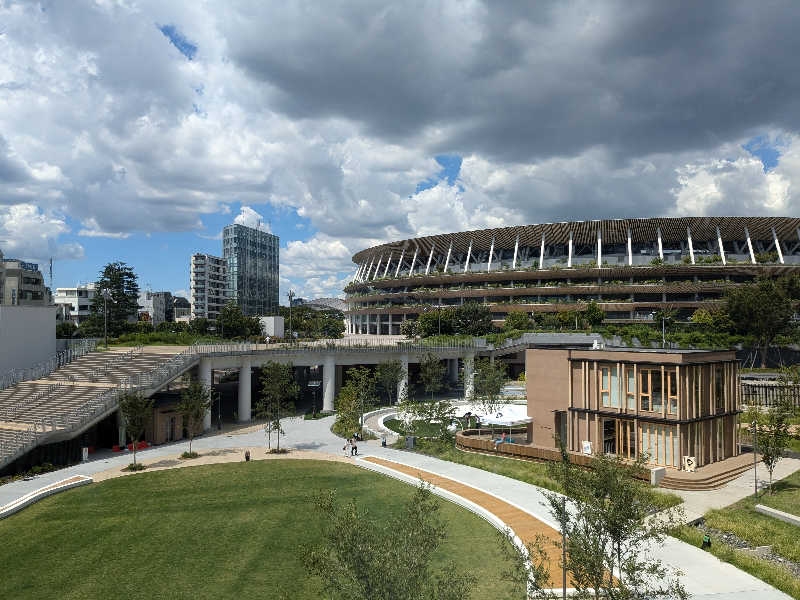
{"type": "Point", "coordinates": [517, 321]}
{"type": "Point", "coordinates": [436, 322]}
{"type": "Point", "coordinates": [199, 326]}
{"type": "Point", "coordinates": [388, 375]}
{"type": "Point", "coordinates": [278, 393]}
{"type": "Point", "coordinates": [567, 318]}
{"type": "Point", "coordinates": [593, 314]}
{"type": "Point", "coordinates": [773, 425]}
{"type": "Point", "coordinates": [120, 280]}
{"type": "Point", "coordinates": [472, 318]}
{"type": "Point", "coordinates": [431, 374]}
{"type": "Point", "coordinates": [357, 395]}
{"type": "Point", "coordinates": [194, 403]}
{"type": "Point", "coordinates": [610, 521]}
{"type": "Point", "coordinates": [409, 328]}
{"type": "Point", "coordinates": [763, 309]}
{"type": "Point", "coordinates": [362, 557]}
{"type": "Point", "coordinates": [65, 330]}
{"type": "Point", "coordinates": [311, 323]}
{"type": "Point", "coordinates": [490, 378]}
{"type": "Point", "coordinates": [137, 412]}
{"type": "Point", "coordinates": [232, 323]}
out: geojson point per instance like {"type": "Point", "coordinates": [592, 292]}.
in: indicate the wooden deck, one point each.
{"type": "Point", "coordinates": [525, 526]}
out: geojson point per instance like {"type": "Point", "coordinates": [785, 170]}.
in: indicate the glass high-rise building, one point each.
{"type": "Point", "coordinates": [252, 258]}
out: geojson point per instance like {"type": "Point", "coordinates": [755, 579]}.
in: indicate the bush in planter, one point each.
{"type": "Point", "coordinates": [135, 467]}
{"type": "Point", "coordinates": [188, 455]}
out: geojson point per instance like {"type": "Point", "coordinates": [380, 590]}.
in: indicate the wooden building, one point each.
{"type": "Point", "coordinates": [666, 404]}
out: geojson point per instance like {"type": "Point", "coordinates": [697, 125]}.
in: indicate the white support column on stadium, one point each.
{"type": "Point", "coordinates": [369, 268]}
{"type": "Point", "coordinates": [245, 399]}
{"type": "Point", "coordinates": [328, 382]}
{"type": "Point", "coordinates": [447, 260]}
{"type": "Point", "coordinates": [689, 240]}
{"type": "Point", "coordinates": [358, 272]}
{"type": "Point", "coordinates": [491, 251]}
{"type": "Point", "coordinates": [569, 250]}
{"type": "Point", "coordinates": [721, 248]}
{"type": "Point", "coordinates": [377, 267]}
{"type": "Point", "coordinates": [660, 244]}
{"type": "Point", "coordinates": [204, 376]}
{"type": "Point", "coordinates": [599, 248]}
{"type": "Point", "coordinates": [399, 263]}
{"type": "Point", "coordinates": [630, 249]}
{"type": "Point", "coordinates": [402, 385]}
{"type": "Point", "coordinates": [750, 244]}
{"type": "Point", "coordinates": [516, 251]}
{"type": "Point", "coordinates": [777, 245]}
{"type": "Point", "coordinates": [541, 253]}
{"type": "Point", "coordinates": [430, 258]}
{"type": "Point", "coordinates": [469, 375]}
{"type": "Point", "coordinates": [386, 270]}
{"type": "Point", "coordinates": [413, 262]}
{"type": "Point", "coordinates": [469, 255]}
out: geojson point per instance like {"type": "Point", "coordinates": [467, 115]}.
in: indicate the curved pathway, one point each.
{"type": "Point", "coordinates": [704, 575]}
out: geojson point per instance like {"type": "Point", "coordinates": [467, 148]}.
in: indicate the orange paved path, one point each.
{"type": "Point", "coordinates": [525, 525]}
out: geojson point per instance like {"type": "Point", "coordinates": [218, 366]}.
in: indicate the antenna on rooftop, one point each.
{"type": "Point", "coordinates": [51, 273]}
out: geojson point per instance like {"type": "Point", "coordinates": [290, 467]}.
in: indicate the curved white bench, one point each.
{"type": "Point", "coordinates": [54, 488]}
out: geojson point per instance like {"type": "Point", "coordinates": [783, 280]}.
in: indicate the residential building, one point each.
{"type": "Point", "coordinates": [22, 284]}
{"type": "Point", "coordinates": [79, 299]}
{"type": "Point", "coordinates": [156, 307]}
{"type": "Point", "coordinates": [665, 405]}
{"type": "Point", "coordinates": [630, 267]}
{"type": "Point", "coordinates": [27, 335]}
{"type": "Point", "coordinates": [181, 307]}
{"type": "Point", "coordinates": [252, 259]}
{"type": "Point", "coordinates": [208, 285]}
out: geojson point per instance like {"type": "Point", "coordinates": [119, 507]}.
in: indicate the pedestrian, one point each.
{"type": "Point", "coordinates": [347, 448]}
{"type": "Point", "coordinates": [355, 447]}
{"type": "Point", "coordinates": [247, 456]}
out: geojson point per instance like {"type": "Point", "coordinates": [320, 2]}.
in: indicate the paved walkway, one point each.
{"type": "Point", "coordinates": [705, 577]}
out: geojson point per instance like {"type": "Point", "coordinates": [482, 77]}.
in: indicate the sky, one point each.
{"type": "Point", "coordinates": [134, 130]}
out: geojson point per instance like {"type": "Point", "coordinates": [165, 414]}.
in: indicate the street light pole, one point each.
{"type": "Point", "coordinates": [291, 297]}
{"type": "Point", "coordinates": [755, 456]}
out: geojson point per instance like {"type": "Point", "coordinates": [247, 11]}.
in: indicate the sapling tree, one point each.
{"type": "Point", "coordinates": [278, 392]}
{"type": "Point", "coordinates": [490, 378]}
{"type": "Point", "coordinates": [431, 373]}
{"type": "Point", "coordinates": [137, 413]}
{"type": "Point", "coordinates": [194, 403]}
{"type": "Point", "coordinates": [388, 375]}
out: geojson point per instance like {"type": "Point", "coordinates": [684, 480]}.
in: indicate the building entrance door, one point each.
{"type": "Point", "coordinates": [171, 429]}
{"type": "Point", "coordinates": [610, 436]}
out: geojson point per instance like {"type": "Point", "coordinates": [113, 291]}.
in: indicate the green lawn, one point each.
{"type": "Point", "coordinates": [528, 471]}
{"type": "Point", "coordinates": [215, 531]}
{"type": "Point", "coordinates": [761, 530]}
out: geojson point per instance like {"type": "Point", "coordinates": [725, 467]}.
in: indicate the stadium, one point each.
{"type": "Point", "coordinates": [630, 267]}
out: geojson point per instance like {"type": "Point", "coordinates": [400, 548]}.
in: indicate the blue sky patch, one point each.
{"type": "Point", "coordinates": [763, 149]}
{"type": "Point", "coordinates": [187, 48]}
{"type": "Point", "coordinates": [451, 167]}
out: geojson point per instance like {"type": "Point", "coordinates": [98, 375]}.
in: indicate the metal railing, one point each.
{"type": "Point", "coordinates": [43, 369]}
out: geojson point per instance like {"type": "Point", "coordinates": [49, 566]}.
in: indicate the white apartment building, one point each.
{"type": "Point", "coordinates": [208, 284]}
{"type": "Point", "coordinates": [80, 300]}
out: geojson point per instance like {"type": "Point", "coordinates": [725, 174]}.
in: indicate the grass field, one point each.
{"type": "Point", "coordinates": [528, 471]}
{"type": "Point", "coordinates": [214, 531]}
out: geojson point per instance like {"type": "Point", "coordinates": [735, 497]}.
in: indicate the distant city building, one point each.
{"type": "Point", "coordinates": [181, 307]}
{"type": "Point", "coordinates": [156, 307]}
{"type": "Point", "coordinates": [22, 284]}
{"type": "Point", "coordinates": [208, 285]}
{"type": "Point", "coordinates": [252, 260]}
{"type": "Point", "coordinates": [326, 304]}
{"type": "Point", "coordinates": [78, 298]}
{"type": "Point", "coordinates": [297, 301]}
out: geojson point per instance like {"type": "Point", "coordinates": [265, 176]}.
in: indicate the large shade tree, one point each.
{"type": "Point", "coordinates": [123, 306]}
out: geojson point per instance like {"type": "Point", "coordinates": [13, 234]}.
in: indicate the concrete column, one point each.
{"type": "Point", "coordinates": [660, 244]}
{"type": "Point", "coordinates": [413, 262]}
{"type": "Point", "coordinates": [569, 251]}
{"type": "Point", "coordinates": [630, 249]}
{"type": "Point", "coordinates": [721, 247]}
{"type": "Point", "coordinates": [750, 245]}
{"type": "Point", "coordinates": [452, 370]}
{"type": "Point", "coordinates": [121, 429]}
{"type": "Point", "coordinates": [328, 382]}
{"type": "Point", "coordinates": [204, 375]}
{"type": "Point", "coordinates": [386, 269]}
{"type": "Point", "coordinates": [402, 385]}
{"type": "Point", "coordinates": [689, 241]}
{"type": "Point", "coordinates": [599, 249]}
{"type": "Point", "coordinates": [245, 398]}
{"type": "Point", "coordinates": [447, 260]}
{"type": "Point", "coordinates": [469, 375]}
{"type": "Point", "coordinates": [469, 255]}
{"type": "Point", "coordinates": [516, 251]}
{"type": "Point", "coordinates": [777, 245]}
{"type": "Point", "coordinates": [491, 251]}
{"type": "Point", "coordinates": [541, 253]}
{"type": "Point", "coordinates": [430, 258]}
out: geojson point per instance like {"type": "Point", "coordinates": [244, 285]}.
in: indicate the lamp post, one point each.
{"type": "Point", "coordinates": [291, 297]}
{"type": "Point", "coordinates": [663, 329]}
{"type": "Point", "coordinates": [754, 424]}
{"type": "Point", "coordinates": [106, 293]}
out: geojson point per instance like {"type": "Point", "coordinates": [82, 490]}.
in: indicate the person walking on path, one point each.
{"type": "Point", "coordinates": [347, 449]}
{"type": "Point", "coordinates": [355, 448]}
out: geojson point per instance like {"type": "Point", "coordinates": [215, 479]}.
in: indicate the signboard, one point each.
{"type": "Point", "coordinates": [586, 447]}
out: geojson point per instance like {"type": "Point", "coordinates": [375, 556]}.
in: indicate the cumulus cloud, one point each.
{"type": "Point", "coordinates": [29, 233]}
{"type": "Point", "coordinates": [250, 218]}
{"type": "Point", "coordinates": [149, 116]}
